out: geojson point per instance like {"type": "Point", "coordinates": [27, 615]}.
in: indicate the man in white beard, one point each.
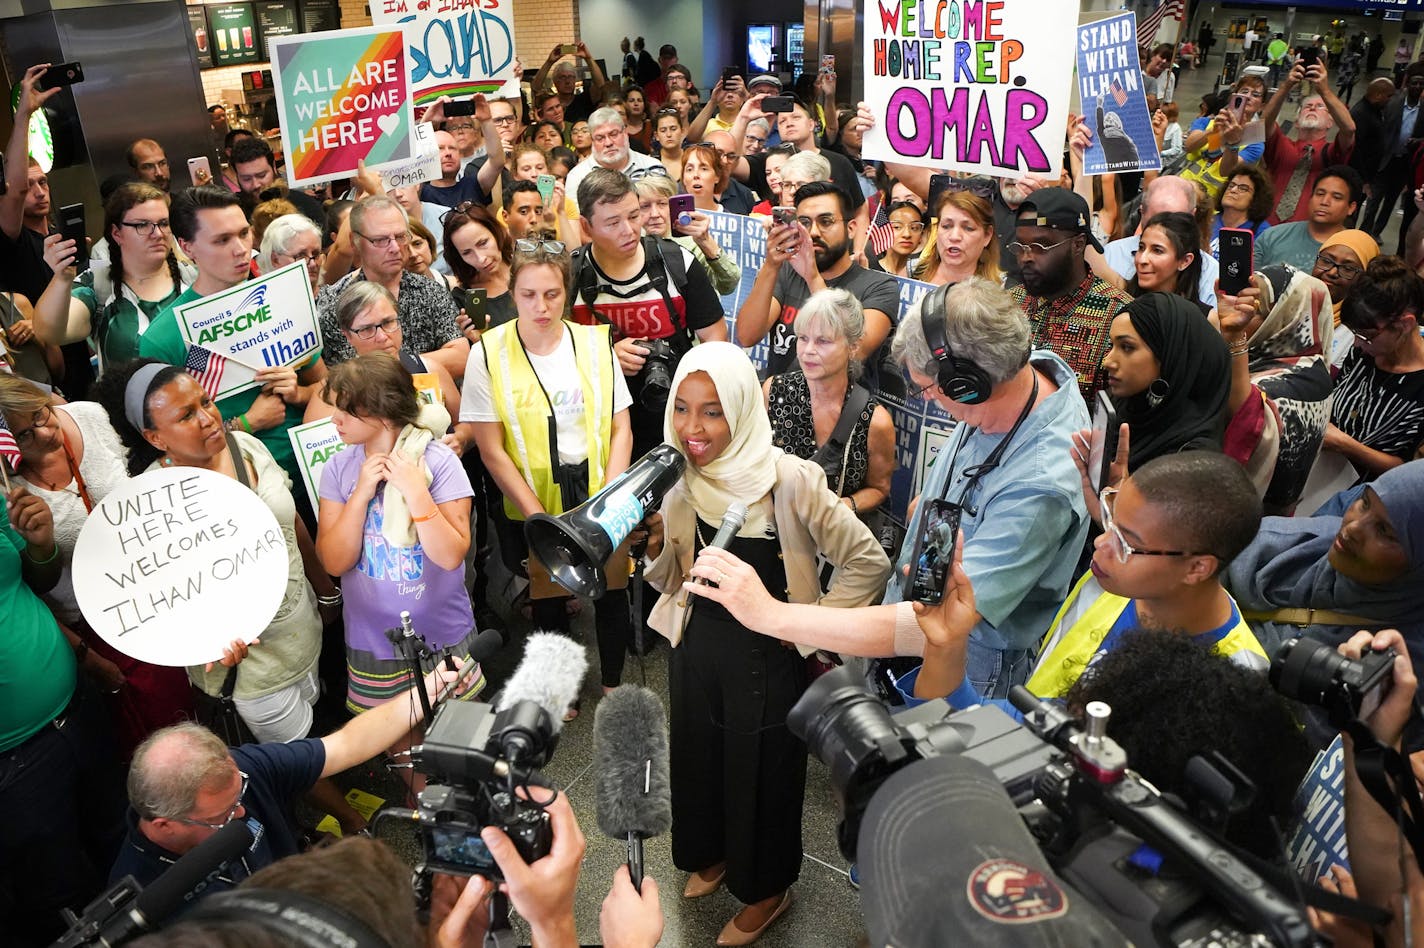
{"type": "Point", "coordinates": [1293, 162]}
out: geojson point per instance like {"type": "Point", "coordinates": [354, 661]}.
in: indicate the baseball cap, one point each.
{"type": "Point", "coordinates": [1060, 209]}
{"type": "Point", "coordinates": [945, 859]}
{"type": "Point", "coordinates": [764, 79]}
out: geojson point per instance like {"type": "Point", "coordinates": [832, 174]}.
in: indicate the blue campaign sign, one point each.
{"type": "Point", "coordinates": [1319, 841]}
{"type": "Point", "coordinates": [921, 426]}
{"type": "Point", "coordinates": [1113, 98]}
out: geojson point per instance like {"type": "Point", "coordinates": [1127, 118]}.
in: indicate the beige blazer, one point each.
{"type": "Point", "coordinates": [810, 519]}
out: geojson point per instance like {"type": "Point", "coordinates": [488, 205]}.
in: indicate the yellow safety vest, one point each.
{"type": "Point", "coordinates": [522, 405]}
{"type": "Point", "coordinates": [1084, 622]}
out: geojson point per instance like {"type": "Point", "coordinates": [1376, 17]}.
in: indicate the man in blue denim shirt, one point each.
{"type": "Point", "coordinates": [1024, 521]}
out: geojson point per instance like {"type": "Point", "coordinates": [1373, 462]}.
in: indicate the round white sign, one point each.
{"type": "Point", "coordinates": [177, 563]}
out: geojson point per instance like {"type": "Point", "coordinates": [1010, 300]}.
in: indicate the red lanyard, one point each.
{"type": "Point", "coordinates": [74, 470]}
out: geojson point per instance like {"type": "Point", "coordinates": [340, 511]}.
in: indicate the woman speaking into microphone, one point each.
{"type": "Point", "coordinates": [738, 775]}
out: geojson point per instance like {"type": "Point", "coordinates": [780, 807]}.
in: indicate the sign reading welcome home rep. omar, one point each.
{"type": "Point", "coordinates": [342, 97]}
{"type": "Point", "coordinates": [266, 322]}
{"type": "Point", "coordinates": [970, 85]}
{"type": "Point", "coordinates": [174, 564]}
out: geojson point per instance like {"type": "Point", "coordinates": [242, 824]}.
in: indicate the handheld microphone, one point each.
{"type": "Point", "coordinates": [732, 521]}
{"type": "Point", "coordinates": [550, 675]}
{"type": "Point", "coordinates": [125, 911]}
{"type": "Point", "coordinates": [633, 787]}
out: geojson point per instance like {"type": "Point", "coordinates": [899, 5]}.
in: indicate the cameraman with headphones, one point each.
{"type": "Point", "coordinates": [1007, 466]}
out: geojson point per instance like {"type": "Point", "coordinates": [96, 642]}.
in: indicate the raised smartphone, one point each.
{"type": "Point", "coordinates": [200, 164]}
{"type": "Point", "coordinates": [1236, 254]}
{"type": "Point", "coordinates": [71, 227]}
{"type": "Point", "coordinates": [1102, 447]}
{"type": "Point", "coordinates": [934, 553]}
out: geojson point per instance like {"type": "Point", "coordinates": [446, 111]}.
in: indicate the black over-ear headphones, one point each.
{"type": "Point", "coordinates": [959, 379]}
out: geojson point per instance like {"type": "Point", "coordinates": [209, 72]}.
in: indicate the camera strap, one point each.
{"type": "Point", "coordinates": [1386, 774]}
{"type": "Point", "coordinates": [1313, 895]}
{"type": "Point", "coordinates": [976, 472]}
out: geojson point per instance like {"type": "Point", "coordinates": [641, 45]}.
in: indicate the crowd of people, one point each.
{"type": "Point", "coordinates": [560, 289]}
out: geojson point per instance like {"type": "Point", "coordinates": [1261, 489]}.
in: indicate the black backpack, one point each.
{"type": "Point", "coordinates": [663, 263]}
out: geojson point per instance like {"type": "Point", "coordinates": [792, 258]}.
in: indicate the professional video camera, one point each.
{"type": "Point", "coordinates": [476, 755]}
{"type": "Point", "coordinates": [1156, 872]}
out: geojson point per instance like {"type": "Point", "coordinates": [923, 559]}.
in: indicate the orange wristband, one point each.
{"type": "Point", "coordinates": [430, 516]}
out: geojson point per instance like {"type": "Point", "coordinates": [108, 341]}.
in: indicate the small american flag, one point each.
{"type": "Point", "coordinates": [206, 367]}
{"type": "Point", "coordinates": [881, 234]}
{"type": "Point", "coordinates": [1119, 94]}
{"type": "Point", "coordinates": [9, 447]}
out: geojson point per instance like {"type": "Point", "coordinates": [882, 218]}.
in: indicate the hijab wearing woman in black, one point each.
{"type": "Point", "coordinates": [1169, 375]}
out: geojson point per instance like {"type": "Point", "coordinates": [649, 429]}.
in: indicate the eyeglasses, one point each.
{"type": "Point", "coordinates": [310, 257]}
{"type": "Point", "coordinates": [655, 171]}
{"type": "Point", "coordinates": [920, 392]}
{"type": "Point", "coordinates": [914, 227]}
{"type": "Point", "coordinates": [1347, 270]}
{"type": "Point", "coordinates": [503, 120]}
{"type": "Point", "coordinates": [1121, 548]}
{"type": "Point", "coordinates": [463, 207]}
{"type": "Point", "coordinates": [1034, 249]}
{"type": "Point", "coordinates": [384, 242]}
{"type": "Point", "coordinates": [236, 805]}
{"type": "Point", "coordinates": [462, 127]}
{"type": "Point", "coordinates": [41, 419]}
{"type": "Point", "coordinates": [823, 222]}
{"type": "Point", "coordinates": [754, 140]}
{"type": "Point", "coordinates": [1241, 186]}
{"type": "Point", "coordinates": [145, 228]}
{"type": "Point", "coordinates": [1368, 337]}
{"type": "Point", "coordinates": [387, 326]}
{"type": "Point", "coordinates": [526, 245]}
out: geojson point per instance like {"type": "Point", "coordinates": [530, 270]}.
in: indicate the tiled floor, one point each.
{"type": "Point", "coordinates": [826, 913]}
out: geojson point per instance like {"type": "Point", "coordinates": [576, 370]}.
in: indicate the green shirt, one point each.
{"type": "Point", "coordinates": [164, 341]}
{"type": "Point", "coordinates": [36, 663]}
{"type": "Point", "coordinates": [114, 324]}
{"type": "Point", "coordinates": [1276, 51]}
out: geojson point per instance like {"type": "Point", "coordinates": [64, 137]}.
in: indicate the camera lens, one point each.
{"type": "Point", "coordinates": [1306, 669]}
{"type": "Point", "coordinates": [843, 725]}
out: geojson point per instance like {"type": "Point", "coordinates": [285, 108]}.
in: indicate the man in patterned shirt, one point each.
{"type": "Point", "coordinates": [1070, 309]}
{"type": "Point", "coordinates": [380, 232]}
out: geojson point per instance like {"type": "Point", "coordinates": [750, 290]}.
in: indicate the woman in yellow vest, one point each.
{"type": "Point", "coordinates": [549, 410]}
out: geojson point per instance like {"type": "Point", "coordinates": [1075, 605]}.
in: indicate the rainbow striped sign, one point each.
{"type": "Point", "coordinates": [343, 96]}
{"type": "Point", "coordinates": [457, 47]}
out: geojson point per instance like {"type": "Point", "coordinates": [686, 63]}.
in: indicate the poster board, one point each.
{"type": "Point", "coordinates": [265, 322]}
{"type": "Point", "coordinates": [457, 47]}
{"type": "Point", "coordinates": [176, 563]}
{"type": "Point", "coordinates": [980, 86]}
{"type": "Point", "coordinates": [342, 97]}
{"type": "Point", "coordinates": [1114, 98]}
{"type": "Point", "coordinates": [314, 444]}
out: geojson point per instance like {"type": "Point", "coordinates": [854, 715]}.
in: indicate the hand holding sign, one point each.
{"type": "Point", "coordinates": [174, 564]}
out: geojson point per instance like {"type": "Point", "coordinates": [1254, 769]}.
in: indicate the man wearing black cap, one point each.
{"type": "Point", "coordinates": [1069, 307]}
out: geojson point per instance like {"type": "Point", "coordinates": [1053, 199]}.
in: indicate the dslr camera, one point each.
{"type": "Point", "coordinates": [475, 757]}
{"type": "Point", "coordinates": [656, 374]}
{"type": "Point", "coordinates": [1311, 672]}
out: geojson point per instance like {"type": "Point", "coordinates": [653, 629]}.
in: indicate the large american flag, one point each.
{"type": "Point", "coordinates": [1147, 29]}
{"type": "Point", "coordinates": [206, 368]}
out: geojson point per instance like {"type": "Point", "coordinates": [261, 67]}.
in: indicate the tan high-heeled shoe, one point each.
{"type": "Point", "coordinates": [697, 886]}
{"type": "Point", "coordinates": [733, 935]}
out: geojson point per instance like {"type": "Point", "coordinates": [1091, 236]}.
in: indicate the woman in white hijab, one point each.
{"type": "Point", "coordinates": [738, 775]}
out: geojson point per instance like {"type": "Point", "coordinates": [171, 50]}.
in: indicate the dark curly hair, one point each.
{"type": "Point", "coordinates": [1172, 700]}
{"type": "Point", "coordinates": [109, 391]}
{"type": "Point", "coordinates": [1263, 193]}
